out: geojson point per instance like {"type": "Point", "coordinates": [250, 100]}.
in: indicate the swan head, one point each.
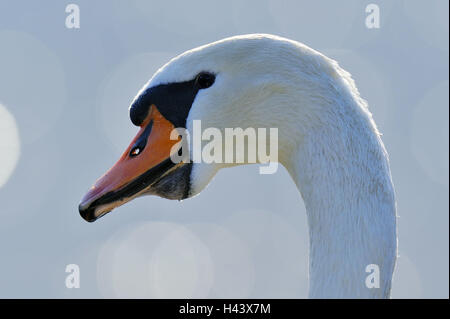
{"type": "Point", "coordinates": [239, 82]}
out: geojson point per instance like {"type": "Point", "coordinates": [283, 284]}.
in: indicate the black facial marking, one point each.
{"type": "Point", "coordinates": [173, 100]}
{"type": "Point", "coordinates": [175, 185]}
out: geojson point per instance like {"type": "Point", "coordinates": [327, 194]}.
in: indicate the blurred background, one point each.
{"type": "Point", "coordinates": [64, 97]}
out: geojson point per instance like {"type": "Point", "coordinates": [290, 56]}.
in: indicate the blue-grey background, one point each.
{"type": "Point", "coordinates": [64, 95]}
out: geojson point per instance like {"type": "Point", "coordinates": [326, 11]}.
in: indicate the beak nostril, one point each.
{"type": "Point", "coordinates": [141, 141]}
{"type": "Point", "coordinates": [135, 151]}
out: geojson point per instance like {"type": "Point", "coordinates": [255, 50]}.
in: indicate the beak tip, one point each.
{"type": "Point", "coordinates": [87, 213]}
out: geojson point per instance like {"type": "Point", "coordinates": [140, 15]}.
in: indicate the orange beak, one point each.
{"type": "Point", "coordinates": [144, 162]}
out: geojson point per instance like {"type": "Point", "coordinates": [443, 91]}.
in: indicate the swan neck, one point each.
{"type": "Point", "coordinates": [344, 179]}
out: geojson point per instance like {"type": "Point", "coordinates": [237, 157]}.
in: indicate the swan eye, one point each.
{"type": "Point", "coordinates": [205, 80]}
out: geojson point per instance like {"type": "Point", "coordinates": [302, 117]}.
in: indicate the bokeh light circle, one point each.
{"type": "Point", "coordinates": [154, 260]}
{"type": "Point", "coordinates": [430, 133]}
{"type": "Point", "coordinates": [32, 78]}
{"type": "Point", "coordinates": [279, 251]}
{"type": "Point", "coordinates": [234, 269]}
{"type": "Point", "coordinates": [9, 145]}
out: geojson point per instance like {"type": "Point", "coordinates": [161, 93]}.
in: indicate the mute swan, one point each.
{"type": "Point", "coordinates": [328, 142]}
